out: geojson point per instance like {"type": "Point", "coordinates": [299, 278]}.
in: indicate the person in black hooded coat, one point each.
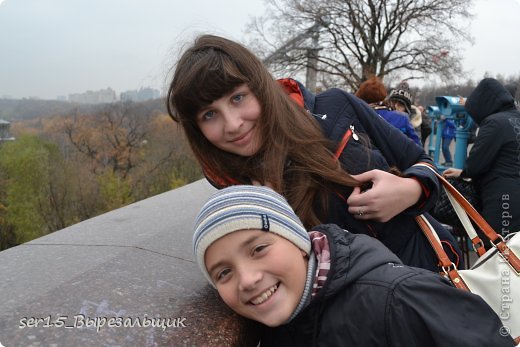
{"type": "Point", "coordinates": [494, 161]}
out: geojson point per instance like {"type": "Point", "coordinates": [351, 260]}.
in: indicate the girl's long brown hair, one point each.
{"type": "Point", "coordinates": [294, 156]}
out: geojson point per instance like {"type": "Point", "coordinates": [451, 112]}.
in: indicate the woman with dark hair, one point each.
{"type": "Point", "coordinates": [328, 154]}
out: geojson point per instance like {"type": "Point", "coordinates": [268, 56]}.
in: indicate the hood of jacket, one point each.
{"type": "Point", "coordinates": [353, 256]}
{"type": "Point", "coordinates": [298, 92]}
{"type": "Point", "coordinates": [488, 98]}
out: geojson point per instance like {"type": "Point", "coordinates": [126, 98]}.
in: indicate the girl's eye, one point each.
{"type": "Point", "coordinates": [207, 115]}
{"type": "Point", "coordinates": [237, 98]}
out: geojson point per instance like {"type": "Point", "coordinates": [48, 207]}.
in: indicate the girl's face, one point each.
{"type": "Point", "coordinates": [258, 274]}
{"type": "Point", "coordinates": [231, 123]}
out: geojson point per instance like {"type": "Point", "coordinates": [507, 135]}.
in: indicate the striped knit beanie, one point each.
{"type": "Point", "coordinates": [246, 207]}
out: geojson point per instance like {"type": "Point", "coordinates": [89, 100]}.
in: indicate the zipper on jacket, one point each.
{"type": "Point", "coordinates": [343, 143]}
{"type": "Point", "coordinates": [354, 135]}
{"type": "Point", "coordinates": [320, 116]}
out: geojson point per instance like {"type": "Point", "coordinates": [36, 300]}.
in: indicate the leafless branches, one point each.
{"type": "Point", "coordinates": [403, 39]}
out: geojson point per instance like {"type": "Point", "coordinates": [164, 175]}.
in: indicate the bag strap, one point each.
{"type": "Point", "coordinates": [461, 204]}
{"type": "Point", "coordinates": [446, 264]}
{"type": "Point", "coordinates": [478, 245]}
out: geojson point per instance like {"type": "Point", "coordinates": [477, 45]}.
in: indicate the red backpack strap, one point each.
{"type": "Point", "coordinates": [292, 89]}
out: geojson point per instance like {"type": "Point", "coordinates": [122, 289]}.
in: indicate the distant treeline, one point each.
{"type": "Point", "coordinates": [71, 164]}
{"type": "Point", "coordinates": [23, 109]}
{"type": "Point", "coordinates": [426, 95]}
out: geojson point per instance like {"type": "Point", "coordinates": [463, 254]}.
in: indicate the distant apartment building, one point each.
{"type": "Point", "coordinates": [142, 94]}
{"type": "Point", "coordinates": [103, 96]}
{"type": "Point", "coordinates": [4, 131]}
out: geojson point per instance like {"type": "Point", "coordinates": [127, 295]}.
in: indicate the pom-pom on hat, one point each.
{"type": "Point", "coordinates": [245, 207]}
{"type": "Point", "coordinates": [403, 95]}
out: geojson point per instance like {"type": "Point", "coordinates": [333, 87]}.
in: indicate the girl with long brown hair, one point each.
{"type": "Point", "coordinates": [328, 154]}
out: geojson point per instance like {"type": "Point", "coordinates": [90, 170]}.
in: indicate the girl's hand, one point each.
{"type": "Point", "coordinates": [389, 196]}
{"type": "Point", "coordinates": [451, 172]}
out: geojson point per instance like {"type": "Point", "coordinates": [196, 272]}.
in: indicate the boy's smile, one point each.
{"type": "Point", "coordinates": [264, 296]}
{"type": "Point", "coordinates": [260, 275]}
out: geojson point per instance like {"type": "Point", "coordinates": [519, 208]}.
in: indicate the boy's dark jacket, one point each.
{"type": "Point", "coordinates": [371, 299]}
{"type": "Point", "coordinates": [336, 111]}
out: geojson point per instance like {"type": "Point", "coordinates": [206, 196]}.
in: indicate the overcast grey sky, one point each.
{"type": "Point", "coordinates": [58, 47]}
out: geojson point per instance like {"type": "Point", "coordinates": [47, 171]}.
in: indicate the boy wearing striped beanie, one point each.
{"type": "Point", "coordinates": [327, 287]}
{"type": "Point", "coordinates": [254, 226]}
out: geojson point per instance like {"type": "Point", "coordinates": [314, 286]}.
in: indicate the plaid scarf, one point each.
{"type": "Point", "coordinates": [320, 247]}
{"type": "Point", "coordinates": [319, 265]}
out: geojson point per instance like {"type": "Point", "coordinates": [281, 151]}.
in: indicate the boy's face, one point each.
{"type": "Point", "coordinates": [258, 274]}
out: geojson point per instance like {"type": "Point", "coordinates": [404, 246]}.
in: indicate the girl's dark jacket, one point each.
{"type": "Point", "coordinates": [338, 111]}
{"type": "Point", "coordinates": [494, 161]}
{"type": "Point", "coordinates": [371, 299]}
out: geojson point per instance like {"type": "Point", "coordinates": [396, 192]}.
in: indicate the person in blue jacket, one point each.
{"type": "Point", "coordinates": [327, 287]}
{"type": "Point", "coordinates": [330, 154]}
{"type": "Point", "coordinates": [374, 93]}
{"type": "Point", "coordinates": [448, 134]}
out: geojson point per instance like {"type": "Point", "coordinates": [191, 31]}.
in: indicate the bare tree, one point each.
{"type": "Point", "coordinates": [112, 139]}
{"type": "Point", "coordinates": [400, 39]}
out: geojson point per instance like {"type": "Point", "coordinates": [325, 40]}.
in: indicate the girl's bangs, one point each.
{"type": "Point", "coordinates": [210, 79]}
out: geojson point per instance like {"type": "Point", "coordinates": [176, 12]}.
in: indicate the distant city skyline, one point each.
{"type": "Point", "coordinates": [53, 48]}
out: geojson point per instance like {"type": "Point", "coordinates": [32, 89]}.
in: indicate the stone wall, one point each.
{"type": "Point", "coordinates": [88, 284]}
